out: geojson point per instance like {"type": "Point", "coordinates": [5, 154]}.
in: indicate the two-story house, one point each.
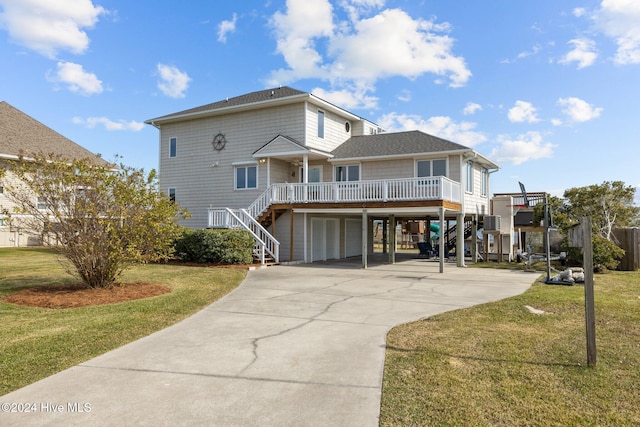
{"type": "Point", "coordinates": [21, 136]}
{"type": "Point", "coordinates": [308, 177]}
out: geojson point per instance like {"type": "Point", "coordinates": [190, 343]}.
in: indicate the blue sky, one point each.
{"type": "Point", "coordinates": [547, 89]}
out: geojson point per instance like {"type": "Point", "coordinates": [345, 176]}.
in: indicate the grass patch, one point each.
{"type": "Point", "coordinates": [36, 343]}
{"type": "Point", "coordinates": [499, 365]}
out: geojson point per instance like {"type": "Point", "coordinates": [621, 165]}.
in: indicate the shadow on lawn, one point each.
{"type": "Point", "coordinates": [487, 359]}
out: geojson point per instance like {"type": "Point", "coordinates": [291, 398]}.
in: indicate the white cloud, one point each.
{"type": "Point", "coordinates": [443, 127]}
{"type": "Point", "coordinates": [390, 43]}
{"type": "Point", "coordinates": [173, 82]}
{"type": "Point", "coordinates": [405, 96]}
{"type": "Point", "coordinates": [48, 26]}
{"type": "Point", "coordinates": [579, 110]}
{"type": "Point", "coordinates": [355, 8]}
{"type": "Point", "coordinates": [76, 79]}
{"type": "Point", "coordinates": [110, 125]}
{"type": "Point", "coordinates": [579, 11]}
{"type": "Point", "coordinates": [534, 50]}
{"type": "Point", "coordinates": [471, 108]}
{"type": "Point", "coordinates": [620, 20]}
{"type": "Point", "coordinates": [351, 99]}
{"type": "Point", "coordinates": [584, 53]}
{"type": "Point", "coordinates": [227, 27]}
{"type": "Point", "coordinates": [296, 32]}
{"type": "Point", "coordinates": [523, 112]}
{"type": "Point", "coordinates": [523, 148]}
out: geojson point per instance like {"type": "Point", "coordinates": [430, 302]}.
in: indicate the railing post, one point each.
{"type": "Point", "coordinates": [385, 190]}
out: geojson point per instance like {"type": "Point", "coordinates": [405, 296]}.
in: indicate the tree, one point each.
{"type": "Point", "coordinates": [609, 205]}
{"type": "Point", "coordinates": [101, 218]}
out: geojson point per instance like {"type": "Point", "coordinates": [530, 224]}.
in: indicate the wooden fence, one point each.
{"type": "Point", "coordinates": [629, 240]}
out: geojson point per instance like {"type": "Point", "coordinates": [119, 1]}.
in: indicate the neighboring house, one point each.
{"type": "Point", "coordinates": [289, 165]}
{"type": "Point", "coordinates": [21, 135]}
{"type": "Point", "coordinates": [511, 220]}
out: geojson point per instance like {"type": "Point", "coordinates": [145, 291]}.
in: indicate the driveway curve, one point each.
{"type": "Point", "coordinates": [297, 345]}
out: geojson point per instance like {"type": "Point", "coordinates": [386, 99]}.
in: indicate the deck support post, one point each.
{"type": "Point", "coordinates": [441, 240]}
{"type": "Point", "coordinates": [392, 239]}
{"type": "Point", "coordinates": [365, 232]}
{"type": "Point", "coordinates": [460, 240]}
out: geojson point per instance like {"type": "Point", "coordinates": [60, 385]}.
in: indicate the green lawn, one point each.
{"type": "Point", "coordinates": [35, 343]}
{"type": "Point", "coordinates": [499, 365]}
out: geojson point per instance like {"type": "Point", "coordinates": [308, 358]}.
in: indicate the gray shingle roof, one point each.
{"type": "Point", "coordinates": [20, 134]}
{"type": "Point", "coordinates": [250, 98]}
{"type": "Point", "coordinates": [393, 144]}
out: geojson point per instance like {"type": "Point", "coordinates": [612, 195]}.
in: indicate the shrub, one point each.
{"type": "Point", "coordinates": [606, 254]}
{"type": "Point", "coordinates": [215, 246]}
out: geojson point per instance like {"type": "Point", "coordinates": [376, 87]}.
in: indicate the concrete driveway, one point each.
{"type": "Point", "coordinates": [292, 346]}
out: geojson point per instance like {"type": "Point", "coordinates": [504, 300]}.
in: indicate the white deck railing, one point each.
{"type": "Point", "coordinates": [388, 190]}
{"type": "Point", "coordinates": [240, 218]}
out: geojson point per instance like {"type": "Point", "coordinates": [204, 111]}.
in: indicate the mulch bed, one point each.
{"type": "Point", "coordinates": [70, 296]}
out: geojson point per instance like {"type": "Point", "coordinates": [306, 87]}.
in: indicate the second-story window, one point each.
{"type": "Point", "coordinates": [469, 185]}
{"type": "Point", "coordinates": [172, 194]}
{"type": "Point", "coordinates": [246, 177]}
{"type": "Point", "coordinates": [173, 147]}
{"type": "Point", "coordinates": [348, 173]}
{"type": "Point", "coordinates": [320, 124]}
{"type": "Point", "coordinates": [427, 168]}
{"type": "Point", "coordinates": [485, 181]}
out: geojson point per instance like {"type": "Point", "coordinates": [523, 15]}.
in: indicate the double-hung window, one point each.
{"type": "Point", "coordinates": [469, 184]}
{"type": "Point", "coordinates": [42, 203]}
{"type": "Point", "coordinates": [173, 147]}
{"type": "Point", "coordinates": [172, 194]}
{"type": "Point", "coordinates": [246, 177]}
{"type": "Point", "coordinates": [320, 124]}
{"type": "Point", "coordinates": [348, 173]}
{"type": "Point", "coordinates": [430, 168]}
{"type": "Point", "coordinates": [485, 181]}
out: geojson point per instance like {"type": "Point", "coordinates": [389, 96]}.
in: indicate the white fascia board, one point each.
{"type": "Point", "coordinates": [226, 110]}
{"type": "Point", "coordinates": [333, 108]}
{"type": "Point", "coordinates": [434, 154]}
{"type": "Point", "coordinates": [293, 153]}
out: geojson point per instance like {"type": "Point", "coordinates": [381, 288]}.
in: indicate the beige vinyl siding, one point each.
{"type": "Point", "coordinates": [8, 180]}
{"type": "Point", "coordinates": [454, 170]}
{"type": "Point", "coordinates": [198, 183]}
{"type": "Point", "coordinates": [363, 127]}
{"type": "Point", "coordinates": [282, 227]}
{"type": "Point", "coordinates": [476, 202]}
{"type": "Point", "coordinates": [334, 129]}
{"type": "Point", "coordinates": [280, 171]}
{"type": "Point", "coordinates": [387, 169]}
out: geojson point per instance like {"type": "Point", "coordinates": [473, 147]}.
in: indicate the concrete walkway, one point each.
{"type": "Point", "coordinates": [292, 346]}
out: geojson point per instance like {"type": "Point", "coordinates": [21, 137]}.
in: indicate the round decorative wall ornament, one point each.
{"type": "Point", "coordinates": [219, 141]}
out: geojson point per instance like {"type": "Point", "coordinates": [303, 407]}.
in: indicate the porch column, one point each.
{"type": "Point", "coordinates": [305, 175]}
{"type": "Point", "coordinates": [305, 170]}
{"type": "Point", "coordinates": [268, 172]}
{"type": "Point", "coordinates": [392, 239]}
{"type": "Point", "coordinates": [460, 240]}
{"type": "Point", "coordinates": [365, 232]}
{"type": "Point", "coordinates": [441, 240]}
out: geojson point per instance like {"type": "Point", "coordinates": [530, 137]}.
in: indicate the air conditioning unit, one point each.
{"type": "Point", "coordinates": [491, 222]}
